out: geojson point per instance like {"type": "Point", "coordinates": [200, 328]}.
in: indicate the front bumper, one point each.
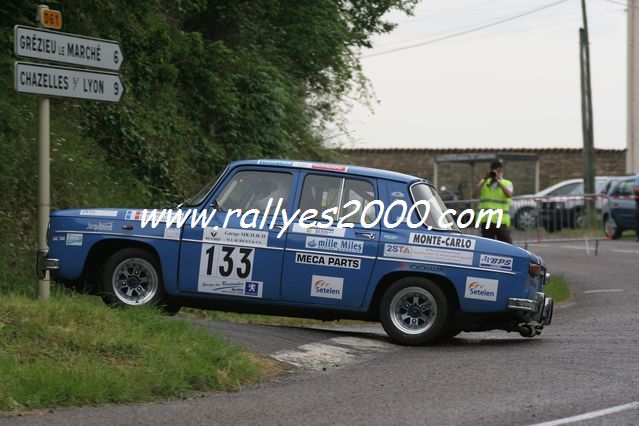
{"type": "Point", "coordinates": [45, 263]}
{"type": "Point", "coordinates": [539, 310]}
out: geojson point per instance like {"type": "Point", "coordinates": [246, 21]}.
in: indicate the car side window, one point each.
{"type": "Point", "coordinates": [321, 193]}
{"type": "Point", "coordinates": [625, 188]}
{"type": "Point", "coordinates": [328, 192]}
{"type": "Point", "coordinates": [570, 189]}
{"type": "Point", "coordinates": [252, 190]}
{"type": "Point", "coordinates": [362, 192]}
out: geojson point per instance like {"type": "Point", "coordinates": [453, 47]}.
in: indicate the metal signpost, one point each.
{"type": "Point", "coordinates": [52, 80]}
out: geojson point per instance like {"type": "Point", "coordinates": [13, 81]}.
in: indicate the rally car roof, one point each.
{"type": "Point", "coordinates": [343, 168]}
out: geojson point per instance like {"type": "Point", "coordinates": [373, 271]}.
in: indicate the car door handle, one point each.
{"type": "Point", "coordinates": [369, 235]}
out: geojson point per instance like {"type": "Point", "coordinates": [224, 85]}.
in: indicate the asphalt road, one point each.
{"type": "Point", "coordinates": [587, 361]}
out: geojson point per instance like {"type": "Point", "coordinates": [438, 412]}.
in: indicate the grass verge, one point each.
{"type": "Point", "coordinates": [558, 289]}
{"type": "Point", "coordinates": [76, 351]}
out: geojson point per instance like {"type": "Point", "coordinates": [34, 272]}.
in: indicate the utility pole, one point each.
{"type": "Point", "coordinates": [632, 153]}
{"type": "Point", "coordinates": [44, 175]}
{"type": "Point", "coordinates": [586, 106]}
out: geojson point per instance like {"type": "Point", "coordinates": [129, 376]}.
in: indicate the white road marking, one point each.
{"type": "Point", "coordinates": [335, 352]}
{"type": "Point", "coordinates": [606, 290]}
{"type": "Point", "coordinates": [591, 415]}
{"type": "Point", "coordinates": [565, 305]}
{"type": "Point", "coordinates": [316, 356]}
{"type": "Point", "coordinates": [625, 251]}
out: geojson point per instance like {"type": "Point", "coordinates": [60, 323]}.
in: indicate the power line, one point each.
{"type": "Point", "coordinates": [477, 28]}
{"type": "Point", "coordinates": [538, 27]}
{"type": "Point", "coordinates": [448, 12]}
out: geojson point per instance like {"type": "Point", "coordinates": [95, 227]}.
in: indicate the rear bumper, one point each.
{"type": "Point", "coordinates": [45, 263]}
{"type": "Point", "coordinates": [540, 309]}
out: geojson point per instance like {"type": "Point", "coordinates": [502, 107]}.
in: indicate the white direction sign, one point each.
{"type": "Point", "coordinates": [51, 80]}
{"type": "Point", "coordinates": [72, 49]}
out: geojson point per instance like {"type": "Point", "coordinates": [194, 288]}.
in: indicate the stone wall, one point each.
{"type": "Point", "coordinates": [555, 165]}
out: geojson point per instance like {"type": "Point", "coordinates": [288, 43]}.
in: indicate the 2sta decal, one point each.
{"type": "Point", "coordinates": [229, 261]}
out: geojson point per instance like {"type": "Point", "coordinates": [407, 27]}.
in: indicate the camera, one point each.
{"type": "Point", "coordinates": [493, 174]}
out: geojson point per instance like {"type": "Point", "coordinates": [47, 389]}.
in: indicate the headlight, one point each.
{"type": "Point", "coordinates": [534, 270]}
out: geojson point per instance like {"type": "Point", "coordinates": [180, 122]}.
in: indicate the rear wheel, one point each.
{"type": "Point", "coordinates": [611, 229]}
{"type": "Point", "coordinates": [414, 311]}
{"type": "Point", "coordinates": [131, 277]}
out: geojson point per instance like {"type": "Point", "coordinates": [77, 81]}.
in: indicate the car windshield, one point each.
{"type": "Point", "coordinates": [197, 199]}
{"type": "Point", "coordinates": [424, 192]}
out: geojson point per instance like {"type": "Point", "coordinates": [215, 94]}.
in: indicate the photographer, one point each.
{"type": "Point", "coordinates": [495, 192]}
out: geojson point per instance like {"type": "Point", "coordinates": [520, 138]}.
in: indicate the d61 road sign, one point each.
{"type": "Point", "coordinates": [66, 48]}
{"type": "Point", "coordinates": [50, 80]}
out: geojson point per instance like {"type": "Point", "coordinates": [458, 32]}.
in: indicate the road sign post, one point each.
{"type": "Point", "coordinates": [47, 80]}
{"type": "Point", "coordinates": [44, 176]}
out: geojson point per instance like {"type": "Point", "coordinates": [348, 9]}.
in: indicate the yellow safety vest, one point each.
{"type": "Point", "coordinates": [494, 198]}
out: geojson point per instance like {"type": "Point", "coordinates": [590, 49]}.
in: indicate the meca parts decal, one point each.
{"type": "Point", "coordinates": [326, 260]}
{"type": "Point", "coordinates": [441, 241]}
{"type": "Point", "coordinates": [402, 251]}
{"type": "Point", "coordinates": [230, 287]}
{"type": "Point", "coordinates": [240, 237]}
{"type": "Point", "coordinates": [481, 289]}
{"type": "Point", "coordinates": [350, 246]}
{"type": "Point", "coordinates": [496, 262]}
{"type": "Point", "coordinates": [327, 287]}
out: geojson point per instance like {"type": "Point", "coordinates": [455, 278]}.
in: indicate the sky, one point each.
{"type": "Point", "coordinates": [513, 85]}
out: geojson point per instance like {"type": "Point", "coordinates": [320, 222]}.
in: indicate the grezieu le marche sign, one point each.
{"type": "Point", "coordinates": [36, 43]}
{"type": "Point", "coordinates": [51, 80]}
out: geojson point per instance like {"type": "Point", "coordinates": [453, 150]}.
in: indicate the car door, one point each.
{"type": "Point", "coordinates": [331, 266]}
{"type": "Point", "coordinates": [622, 204]}
{"type": "Point", "coordinates": [227, 259]}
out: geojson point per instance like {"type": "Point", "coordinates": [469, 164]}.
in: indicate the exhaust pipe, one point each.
{"type": "Point", "coordinates": [527, 330]}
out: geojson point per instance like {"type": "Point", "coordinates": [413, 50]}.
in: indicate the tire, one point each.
{"type": "Point", "coordinates": [449, 333]}
{"type": "Point", "coordinates": [612, 231]}
{"type": "Point", "coordinates": [524, 219]}
{"type": "Point", "coordinates": [414, 311]}
{"type": "Point", "coordinates": [552, 227]}
{"type": "Point", "coordinates": [131, 277]}
{"type": "Point", "coordinates": [577, 219]}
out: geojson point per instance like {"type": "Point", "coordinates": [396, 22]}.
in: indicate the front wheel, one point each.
{"type": "Point", "coordinates": [414, 311]}
{"type": "Point", "coordinates": [131, 277]}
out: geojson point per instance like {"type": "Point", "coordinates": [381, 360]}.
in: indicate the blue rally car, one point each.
{"type": "Point", "coordinates": [422, 284]}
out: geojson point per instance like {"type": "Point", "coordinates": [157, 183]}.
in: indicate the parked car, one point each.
{"type": "Point", "coordinates": [422, 283]}
{"type": "Point", "coordinates": [619, 209]}
{"type": "Point", "coordinates": [555, 207]}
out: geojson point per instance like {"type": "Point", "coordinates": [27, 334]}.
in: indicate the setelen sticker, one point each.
{"type": "Point", "coordinates": [481, 289]}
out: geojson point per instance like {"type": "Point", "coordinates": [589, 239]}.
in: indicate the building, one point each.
{"type": "Point", "coordinates": [459, 169]}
